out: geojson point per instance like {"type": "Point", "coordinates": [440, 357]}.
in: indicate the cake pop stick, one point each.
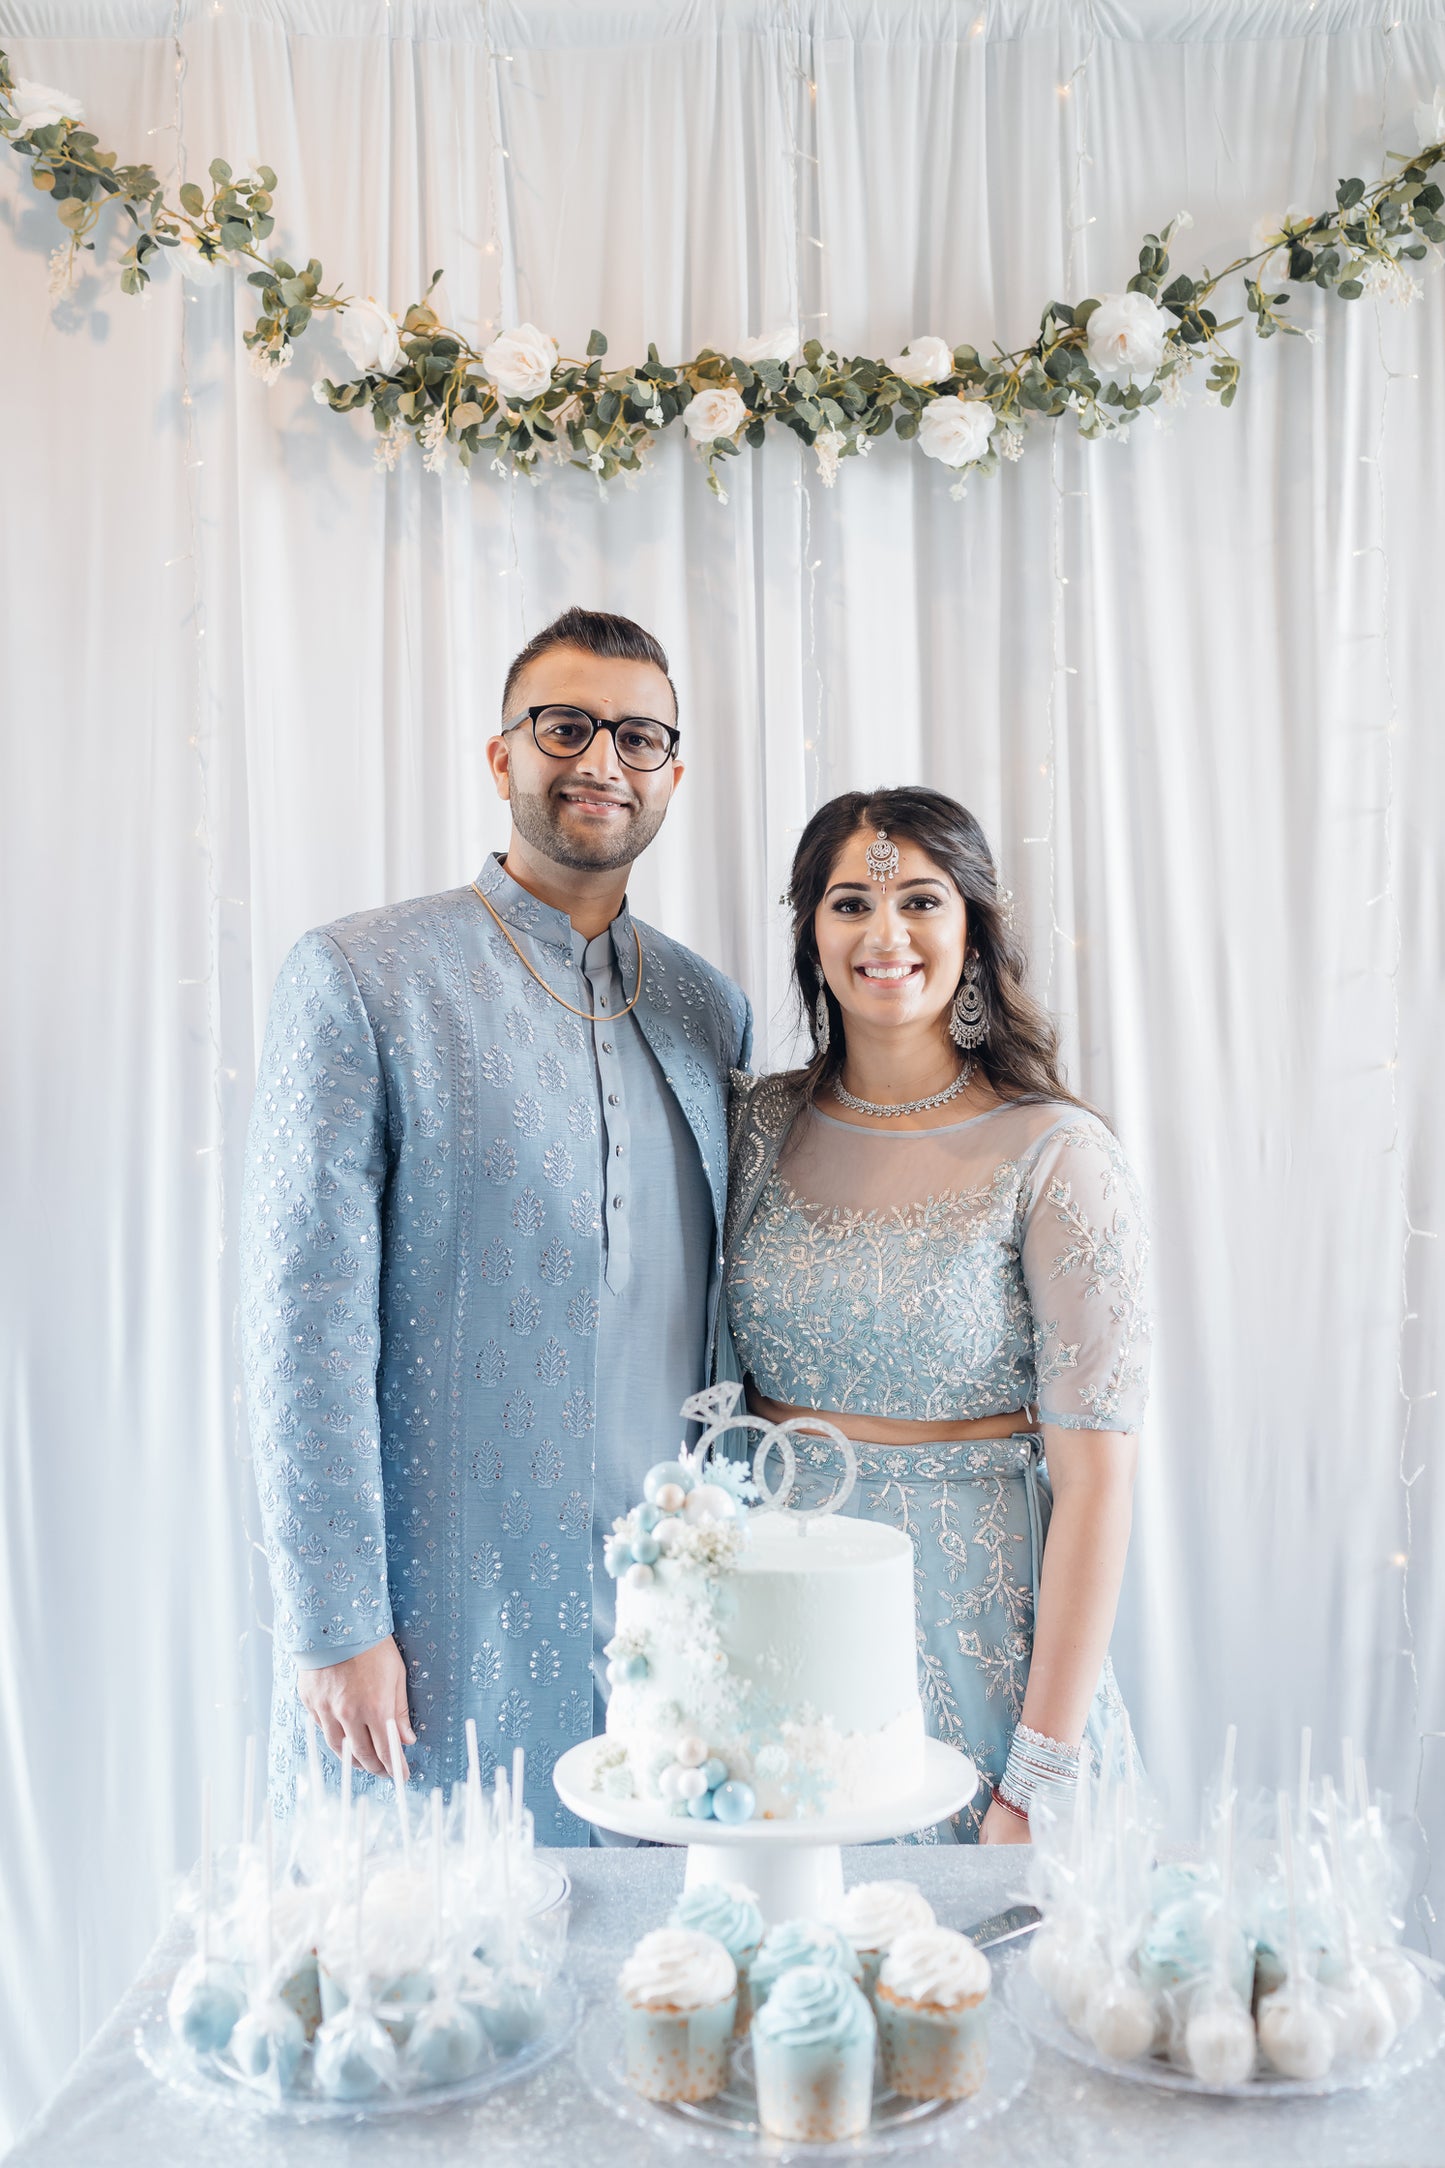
{"type": "Point", "coordinates": [519, 1767]}
{"type": "Point", "coordinates": [1226, 1778]}
{"type": "Point", "coordinates": [315, 1780]}
{"type": "Point", "coordinates": [1304, 1784]}
{"type": "Point", "coordinates": [473, 1826]}
{"type": "Point", "coordinates": [343, 1819]}
{"type": "Point", "coordinates": [1349, 1760]}
{"type": "Point", "coordinates": [248, 1791]}
{"type": "Point", "coordinates": [205, 1923]}
{"type": "Point", "coordinates": [398, 1785]}
{"type": "Point", "coordinates": [438, 1865]}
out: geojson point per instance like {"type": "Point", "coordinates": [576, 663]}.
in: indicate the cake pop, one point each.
{"type": "Point", "coordinates": [270, 2039]}
{"type": "Point", "coordinates": [1296, 2031]}
{"type": "Point", "coordinates": [1219, 2036]}
{"type": "Point", "coordinates": [355, 2055]}
{"type": "Point", "coordinates": [1358, 2000]}
{"type": "Point", "coordinates": [208, 1996]}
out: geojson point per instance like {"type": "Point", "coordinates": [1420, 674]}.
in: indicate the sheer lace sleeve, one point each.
{"type": "Point", "coordinates": [1084, 1250]}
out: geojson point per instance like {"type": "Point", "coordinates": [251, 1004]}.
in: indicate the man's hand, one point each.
{"type": "Point", "coordinates": [353, 1701]}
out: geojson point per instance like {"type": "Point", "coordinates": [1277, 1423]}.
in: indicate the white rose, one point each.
{"type": "Point", "coordinates": [520, 362]}
{"type": "Point", "coordinates": [36, 105]}
{"type": "Point", "coordinates": [718, 412]}
{"type": "Point", "coordinates": [772, 346]}
{"type": "Point", "coordinates": [195, 264]}
{"type": "Point", "coordinates": [371, 337]}
{"type": "Point", "coordinates": [924, 361]}
{"type": "Point", "coordinates": [956, 431]}
{"type": "Point", "coordinates": [1126, 335]}
{"type": "Point", "coordinates": [1430, 121]}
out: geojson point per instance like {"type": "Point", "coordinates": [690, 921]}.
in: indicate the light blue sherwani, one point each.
{"type": "Point", "coordinates": [447, 1299]}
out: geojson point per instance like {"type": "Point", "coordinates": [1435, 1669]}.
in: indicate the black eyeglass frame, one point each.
{"type": "Point", "coordinates": [598, 722]}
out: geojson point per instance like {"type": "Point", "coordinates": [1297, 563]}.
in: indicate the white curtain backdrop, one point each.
{"type": "Point", "coordinates": [1188, 683]}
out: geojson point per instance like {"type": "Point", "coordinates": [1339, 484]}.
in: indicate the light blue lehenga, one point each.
{"type": "Point", "coordinates": [936, 1275]}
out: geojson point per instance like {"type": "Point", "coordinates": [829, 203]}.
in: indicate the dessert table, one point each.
{"type": "Point", "coordinates": [110, 2113]}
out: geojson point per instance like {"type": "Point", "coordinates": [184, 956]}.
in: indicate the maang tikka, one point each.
{"type": "Point", "coordinates": [882, 858]}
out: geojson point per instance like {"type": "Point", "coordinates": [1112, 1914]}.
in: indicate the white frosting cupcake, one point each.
{"type": "Point", "coordinates": [874, 1914]}
{"type": "Point", "coordinates": [677, 1968]}
{"type": "Point", "coordinates": [935, 1968]}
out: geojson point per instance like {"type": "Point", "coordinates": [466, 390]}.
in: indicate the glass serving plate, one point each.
{"type": "Point", "coordinates": [1417, 2045]}
{"type": "Point", "coordinates": [728, 2123]}
{"type": "Point", "coordinates": [214, 2079]}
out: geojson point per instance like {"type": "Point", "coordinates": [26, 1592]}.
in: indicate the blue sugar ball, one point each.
{"type": "Point", "coordinates": [715, 1772]}
{"type": "Point", "coordinates": [734, 1802]}
{"type": "Point", "coordinates": [647, 1517]}
{"type": "Point", "coordinates": [616, 1557]}
{"type": "Point", "coordinates": [646, 1549]}
{"type": "Point", "coordinates": [632, 1668]}
{"type": "Point", "coordinates": [701, 1808]}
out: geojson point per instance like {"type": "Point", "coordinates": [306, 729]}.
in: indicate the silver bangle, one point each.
{"type": "Point", "coordinates": [1035, 1759]}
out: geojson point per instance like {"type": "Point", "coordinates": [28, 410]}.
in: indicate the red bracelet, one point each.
{"type": "Point", "coordinates": [1007, 1805]}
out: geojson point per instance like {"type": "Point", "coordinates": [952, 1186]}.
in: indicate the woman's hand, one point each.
{"type": "Point", "coordinates": [1002, 1826]}
{"type": "Point", "coordinates": [353, 1700]}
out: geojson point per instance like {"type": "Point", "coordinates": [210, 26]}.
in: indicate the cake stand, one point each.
{"type": "Point", "coordinates": [794, 1867]}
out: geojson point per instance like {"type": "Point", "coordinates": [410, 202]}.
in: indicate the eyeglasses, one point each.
{"type": "Point", "coordinates": [562, 733]}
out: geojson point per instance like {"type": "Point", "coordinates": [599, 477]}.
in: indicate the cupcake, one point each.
{"type": "Point", "coordinates": [874, 1914]}
{"type": "Point", "coordinates": [679, 1993]}
{"type": "Point", "coordinates": [814, 2041]}
{"type": "Point", "coordinates": [932, 2005]}
{"type": "Point", "coordinates": [799, 1942]}
{"type": "Point", "coordinates": [729, 1913]}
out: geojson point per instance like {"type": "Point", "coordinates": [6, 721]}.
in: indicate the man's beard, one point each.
{"type": "Point", "coordinates": [538, 822]}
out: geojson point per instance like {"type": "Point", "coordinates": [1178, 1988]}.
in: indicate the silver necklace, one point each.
{"type": "Point", "coordinates": [914, 1106]}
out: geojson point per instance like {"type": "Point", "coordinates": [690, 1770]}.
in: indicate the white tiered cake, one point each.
{"type": "Point", "coordinates": [764, 1661]}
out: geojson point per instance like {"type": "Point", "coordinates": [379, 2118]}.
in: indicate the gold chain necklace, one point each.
{"type": "Point", "coordinates": [590, 1015]}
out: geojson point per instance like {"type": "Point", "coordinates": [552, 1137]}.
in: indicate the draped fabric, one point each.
{"type": "Point", "coordinates": [1187, 683]}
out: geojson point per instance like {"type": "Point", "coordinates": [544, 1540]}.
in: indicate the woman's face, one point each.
{"type": "Point", "coordinates": [891, 954]}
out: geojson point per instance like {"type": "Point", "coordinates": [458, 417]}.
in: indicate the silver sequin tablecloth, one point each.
{"type": "Point", "coordinates": [111, 2114]}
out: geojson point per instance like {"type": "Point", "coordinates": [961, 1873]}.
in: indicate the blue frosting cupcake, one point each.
{"type": "Point", "coordinates": [729, 1913]}
{"type": "Point", "coordinates": [814, 2042]}
{"type": "Point", "coordinates": [800, 1942]}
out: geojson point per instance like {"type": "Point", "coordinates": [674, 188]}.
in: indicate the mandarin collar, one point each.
{"type": "Point", "coordinates": [525, 913]}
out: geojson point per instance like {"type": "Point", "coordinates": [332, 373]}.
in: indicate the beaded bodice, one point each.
{"type": "Point", "coordinates": [945, 1274]}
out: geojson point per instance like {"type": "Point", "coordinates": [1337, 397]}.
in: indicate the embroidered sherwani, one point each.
{"type": "Point", "coordinates": [446, 1277]}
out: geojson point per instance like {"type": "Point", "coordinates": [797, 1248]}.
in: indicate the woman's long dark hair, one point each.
{"type": "Point", "coordinates": [1020, 1056]}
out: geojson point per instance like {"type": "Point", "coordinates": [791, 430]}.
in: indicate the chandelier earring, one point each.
{"type": "Point", "coordinates": [822, 1024]}
{"type": "Point", "coordinates": [967, 1017]}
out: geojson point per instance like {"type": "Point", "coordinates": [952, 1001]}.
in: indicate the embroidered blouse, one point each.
{"type": "Point", "coordinates": [943, 1274]}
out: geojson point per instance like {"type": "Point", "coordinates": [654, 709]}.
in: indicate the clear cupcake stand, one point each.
{"type": "Point", "coordinates": [795, 1867]}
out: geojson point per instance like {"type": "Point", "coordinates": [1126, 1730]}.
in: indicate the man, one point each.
{"type": "Point", "coordinates": [486, 1174]}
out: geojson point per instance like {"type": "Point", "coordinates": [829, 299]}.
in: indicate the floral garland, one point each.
{"type": "Point", "coordinates": [520, 401]}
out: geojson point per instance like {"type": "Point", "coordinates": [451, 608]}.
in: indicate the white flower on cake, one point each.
{"type": "Point", "coordinates": [36, 105]}
{"type": "Point", "coordinates": [717, 412]}
{"type": "Point", "coordinates": [520, 362]}
{"type": "Point", "coordinates": [1126, 335]}
{"type": "Point", "coordinates": [371, 337]}
{"type": "Point", "coordinates": [956, 431]}
{"type": "Point", "coordinates": [923, 361]}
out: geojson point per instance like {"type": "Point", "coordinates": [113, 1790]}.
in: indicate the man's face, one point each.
{"type": "Point", "coordinates": [592, 812]}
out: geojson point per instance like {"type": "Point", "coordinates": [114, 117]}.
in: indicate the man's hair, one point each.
{"type": "Point", "coordinates": [596, 632]}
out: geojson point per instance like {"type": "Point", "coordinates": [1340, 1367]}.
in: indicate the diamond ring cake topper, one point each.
{"type": "Point", "coordinates": [718, 1411]}
{"type": "Point", "coordinates": [882, 858]}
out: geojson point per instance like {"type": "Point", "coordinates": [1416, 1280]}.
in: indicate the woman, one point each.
{"type": "Point", "coordinates": [935, 1244]}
